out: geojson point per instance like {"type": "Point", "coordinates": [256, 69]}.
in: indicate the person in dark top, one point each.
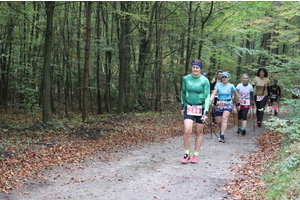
{"type": "Point", "coordinates": [275, 94]}
{"type": "Point", "coordinates": [213, 83]}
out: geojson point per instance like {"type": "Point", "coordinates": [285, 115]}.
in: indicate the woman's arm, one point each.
{"type": "Point", "coordinates": [212, 96]}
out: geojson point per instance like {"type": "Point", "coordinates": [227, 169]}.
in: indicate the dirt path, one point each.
{"type": "Point", "coordinates": [148, 172]}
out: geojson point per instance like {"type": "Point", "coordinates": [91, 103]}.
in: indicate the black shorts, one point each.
{"type": "Point", "coordinates": [273, 100]}
{"type": "Point", "coordinates": [198, 118]}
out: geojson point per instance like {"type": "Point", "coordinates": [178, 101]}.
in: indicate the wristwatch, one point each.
{"type": "Point", "coordinates": [206, 113]}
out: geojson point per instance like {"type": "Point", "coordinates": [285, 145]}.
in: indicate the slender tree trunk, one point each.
{"type": "Point", "coordinates": [238, 70]}
{"type": "Point", "coordinates": [108, 57]}
{"type": "Point", "coordinates": [144, 48]}
{"type": "Point", "coordinates": [187, 61]}
{"type": "Point", "coordinates": [47, 113]}
{"type": "Point", "coordinates": [213, 60]}
{"type": "Point", "coordinates": [157, 38]}
{"type": "Point", "coordinates": [86, 64]}
{"type": "Point", "coordinates": [122, 62]}
{"type": "Point", "coordinates": [98, 61]}
{"type": "Point", "coordinates": [161, 62]}
{"type": "Point", "coordinates": [78, 56]}
{"type": "Point", "coordinates": [203, 22]}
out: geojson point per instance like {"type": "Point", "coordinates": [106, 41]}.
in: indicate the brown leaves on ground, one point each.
{"type": "Point", "coordinates": [32, 150]}
{"type": "Point", "coordinates": [247, 181]}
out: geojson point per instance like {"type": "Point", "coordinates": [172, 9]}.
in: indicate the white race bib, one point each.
{"type": "Point", "coordinates": [244, 101]}
{"type": "Point", "coordinates": [194, 110]}
{"type": "Point", "coordinates": [273, 96]}
{"type": "Point", "coordinates": [259, 98]}
{"type": "Point", "coordinates": [221, 104]}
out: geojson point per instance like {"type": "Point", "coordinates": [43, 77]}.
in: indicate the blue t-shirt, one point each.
{"type": "Point", "coordinates": [225, 91]}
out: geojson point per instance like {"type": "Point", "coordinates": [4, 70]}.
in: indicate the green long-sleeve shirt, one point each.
{"type": "Point", "coordinates": [195, 91]}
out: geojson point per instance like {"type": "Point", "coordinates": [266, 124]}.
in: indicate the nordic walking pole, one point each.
{"type": "Point", "coordinates": [212, 131]}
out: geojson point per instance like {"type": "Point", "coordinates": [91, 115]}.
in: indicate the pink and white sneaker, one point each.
{"type": "Point", "coordinates": [185, 159]}
{"type": "Point", "coordinates": [194, 159]}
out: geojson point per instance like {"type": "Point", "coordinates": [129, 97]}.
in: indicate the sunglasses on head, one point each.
{"type": "Point", "coordinates": [196, 62]}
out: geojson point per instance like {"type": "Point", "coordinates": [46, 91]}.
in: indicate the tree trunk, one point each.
{"type": "Point", "coordinates": [127, 58]}
{"type": "Point", "coordinates": [108, 57]}
{"type": "Point", "coordinates": [159, 96]}
{"type": "Point", "coordinates": [187, 60]}
{"type": "Point", "coordinates": [238, 70]}
{"type": "Point", "coordinates": [78, 56]}
{"type": "Point", "coordinates": [157, 38]}
{"type": "Point", "coordinates": [98, 60]}
{"type": "Point", "coordinates": [47, 113]}
{"type": "Point", "coordinates": [144, 49]}
{"type": "Point", "coordinates": [203, 22]}
{"type": "Point", "coordinates": [213, 60]}
{"type": "Point", "coordinates": [86, 63]}
{"type": "Point", "coordinates": [122, 61]}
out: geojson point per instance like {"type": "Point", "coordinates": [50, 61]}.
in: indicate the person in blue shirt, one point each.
{"type": "Point", "coordinates": [224, 103]}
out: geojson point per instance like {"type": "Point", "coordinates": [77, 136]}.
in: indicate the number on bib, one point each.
{"type": "Point", "coordinates": [242, 102]}
{"type": "Point", "coordinates": [194, 110]}
{"type": "Point", "coordinates": [221, 104]}
{"type": "Point", "coordinates": [259, 98]}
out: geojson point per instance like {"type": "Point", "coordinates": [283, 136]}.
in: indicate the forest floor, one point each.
{"type": "Point", "coordinates": [133, 156]}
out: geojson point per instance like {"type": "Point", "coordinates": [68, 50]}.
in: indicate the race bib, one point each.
{"type": "Point", "coordinates": [194, 110]}
{"type": "Point", "coordinates": [259, 98]}
{"type": "Point", "coordinates": [244, 101]}
{"type": "Point", "coordinates": [273, 96]}
{"type": "Point", "coordinates": [221, 104]}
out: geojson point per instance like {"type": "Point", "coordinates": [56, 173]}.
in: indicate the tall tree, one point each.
{"type": "Point", "coordinates": [78, 55]}
{"type": "Point", "coordinates": [86, 63]}
{"type": "Point", "coordinates": [47, 112]}
{"type": "Point", "coordinates": [187, 58]}
{"type": "Point", "coordinates": [98, 60]}
{"type": "Point", "coordinates": [144, 49]}
{"type": "Point", "coordinates": [122, 61]}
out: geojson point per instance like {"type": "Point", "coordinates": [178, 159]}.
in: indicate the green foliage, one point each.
{"type": "Point", "coordinates": [283, 181]}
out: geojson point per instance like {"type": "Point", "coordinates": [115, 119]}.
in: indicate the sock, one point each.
{"type": "Point", "coordinates": [187, 152]}
{"type": "Point", "coordinates": [275, 107]}
{"type": "Point", "coordinates": [243, 128]}
{"type": "Point", "coordinates": [222, 134]}
{"type": "Point", "coordinates": [196, 153]}
{"type": "Point", "coordinates": [240, 126]}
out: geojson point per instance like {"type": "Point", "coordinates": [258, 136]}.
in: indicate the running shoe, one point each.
{"type": "Point", "coordinates": [222, 138]}
{"type": "Point", "coordinates": [259, 124]}
{"type": "Point", "coordinates": [239, 131]}
{"type": "Point", "coordinates": [244, 132]}
{"type": "Point", "coordinates": [194, 159]}
{"type": "Point", "coordinates": [275, 112]}
{"type": "Point", "coordinates": [185, 158]}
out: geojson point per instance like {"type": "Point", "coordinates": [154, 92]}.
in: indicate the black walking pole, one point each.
{"type": "Point", "coordinates": [212, 131]}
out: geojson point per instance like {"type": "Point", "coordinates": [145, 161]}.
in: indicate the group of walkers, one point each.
{"type": "Point", "coordinates": [197, 94]}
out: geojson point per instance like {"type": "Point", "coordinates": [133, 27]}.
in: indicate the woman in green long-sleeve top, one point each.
{"type": "Point", "coordinates": [195, 99]}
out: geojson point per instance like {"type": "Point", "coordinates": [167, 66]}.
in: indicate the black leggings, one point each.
{"type": "Point", "coordinates": [214, 111]}
{"type": "Point", "coordinates": [242, 114]}
{"type": "Point", "coordinates": [259, 105]}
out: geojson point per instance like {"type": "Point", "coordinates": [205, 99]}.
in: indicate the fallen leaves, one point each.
{"type": "Point", "coordinates": [72, 143]}
{"type": "Point", "coordinates": [247, 181]}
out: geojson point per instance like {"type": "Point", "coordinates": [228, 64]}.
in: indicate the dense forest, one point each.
{"type": "Point", "coordinates": [117, 57]}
